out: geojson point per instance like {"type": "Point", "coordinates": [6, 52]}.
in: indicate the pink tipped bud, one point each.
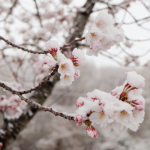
{"type": "Point", "coordinates": [93, 133]}
{"type": "Point", "coordinates": [138, 105]}
{"type": "Point", "coordinates": [137, 102]}
{"type": "Point", "coordinates": [52, 47]}
{"type": "Point", "coordinates": [79, 118]}
{"type": "Point", "coordinates": [80, 102]}
{"type": "Point", "coordinates": [113, 92]}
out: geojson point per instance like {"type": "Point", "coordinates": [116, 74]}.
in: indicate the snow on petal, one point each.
{"type": "Point", "coordinates": [135, 80]}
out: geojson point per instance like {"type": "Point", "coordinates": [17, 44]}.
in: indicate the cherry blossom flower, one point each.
{"type": "Point", "coordinates": [99, 118]}
{"type": "Point", "coordinates": [92, 132]}
{"type": "Point", "coordinates": [48, 63]}
{"type": "Point", "coordinates": [60, 57]}
{"type": "Point", "coordinates": [66, 66]}
{"type": "Point", "coordinates": [102, 34]}
{"type": "Point", "coordinates": [95, 48]}
{"type": "Point", "coordinates": [13, 112]}
{"type": "Point", "coordinates": [119, 110]}
{"type": "Point", "coordinates": [66, 79]}
{"type": "Point", "coordinates": [94, 35]}
{"type": "Point", "coordinates": [103, 20]}
{"type": "Point", "coordinates": [78, 58]}
{"type": "Point", "coordinates": [52, 47]}
{"type": "Point", "coordinates": [13, 106]}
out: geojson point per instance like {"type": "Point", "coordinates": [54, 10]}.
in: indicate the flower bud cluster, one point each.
{"type": "Point", "coordinates": [119, 110]}
{"type": "Point", "coordinates": [13, 106]}
{"type": "Point", "coordinates": [67, 66]}
{"type": "Point", "coordinates": [102, 34]}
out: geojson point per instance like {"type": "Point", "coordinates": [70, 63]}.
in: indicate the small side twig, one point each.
{"type": "Point", "coordinates": [24, 49]}
{"type": "Point", "coordinates": [3, 85]}
{"type": "Point", "coordinates": [38, 13]}
{"type": "Point", "coordinates": [36, 105]}
{"type": "Point", "coordinates": [49, 109]}
{"type": "Point", "coordinates": [35, 52]}
{"type": "Point", "coordinates": [11, 9]}
{"type": "Point", "coordinates": [74, 41]}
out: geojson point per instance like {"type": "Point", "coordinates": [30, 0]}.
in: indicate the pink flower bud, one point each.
{"type": "Point", "coordinates": [93, 133]}
{"type": "Point", "coordinates": [80, 102]}
{"type": "Point", "coordinates": [79, 118]}
{"type": "Point", "coordinates": [138, 105]}
{"type": "Point", "coordinates": [137, 102]}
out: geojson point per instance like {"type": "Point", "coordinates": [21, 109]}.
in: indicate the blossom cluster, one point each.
{"type": "Point", "coordinates": [103, 34]}
{"type": "Point", "coordinates": [119, 110]}
{"type": "Point", "coordinates": [68, 66]}
{"type": "Point", "coordinates": [13, 106]}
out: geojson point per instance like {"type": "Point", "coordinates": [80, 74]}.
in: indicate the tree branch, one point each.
{"type": "Point", "coordinates": [38, 14]}
{"type": "Point", "coordinates": [11, 9]}
{"type": "Point", "coordinates": [41, 94]}
{"type": "Point", "coordinates": [35, 104]}
{"type": "Point", "coordinates": [22, 48]}
{"type": "Point", "coordinates": [43, 52]}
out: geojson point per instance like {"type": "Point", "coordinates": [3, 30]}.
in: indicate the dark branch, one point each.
{"type": "Point", "coordinates": [38, 14]}
{"type": "Point", "coordinates": [35, 52]}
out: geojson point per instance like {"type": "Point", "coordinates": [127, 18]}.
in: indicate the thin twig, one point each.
{"type": "Point", "coordinates": [35, 52]}
{"type": "Point", "coordinates": [38, 14]}
{"type": "Point", "coordinates": [11, 9]}
{"type": "Point", "coordinates": [74, 41]}
{"type": "Point", "coordinates": [49, 109]}
{"type": "Point", "coordinates": [24, 49]}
